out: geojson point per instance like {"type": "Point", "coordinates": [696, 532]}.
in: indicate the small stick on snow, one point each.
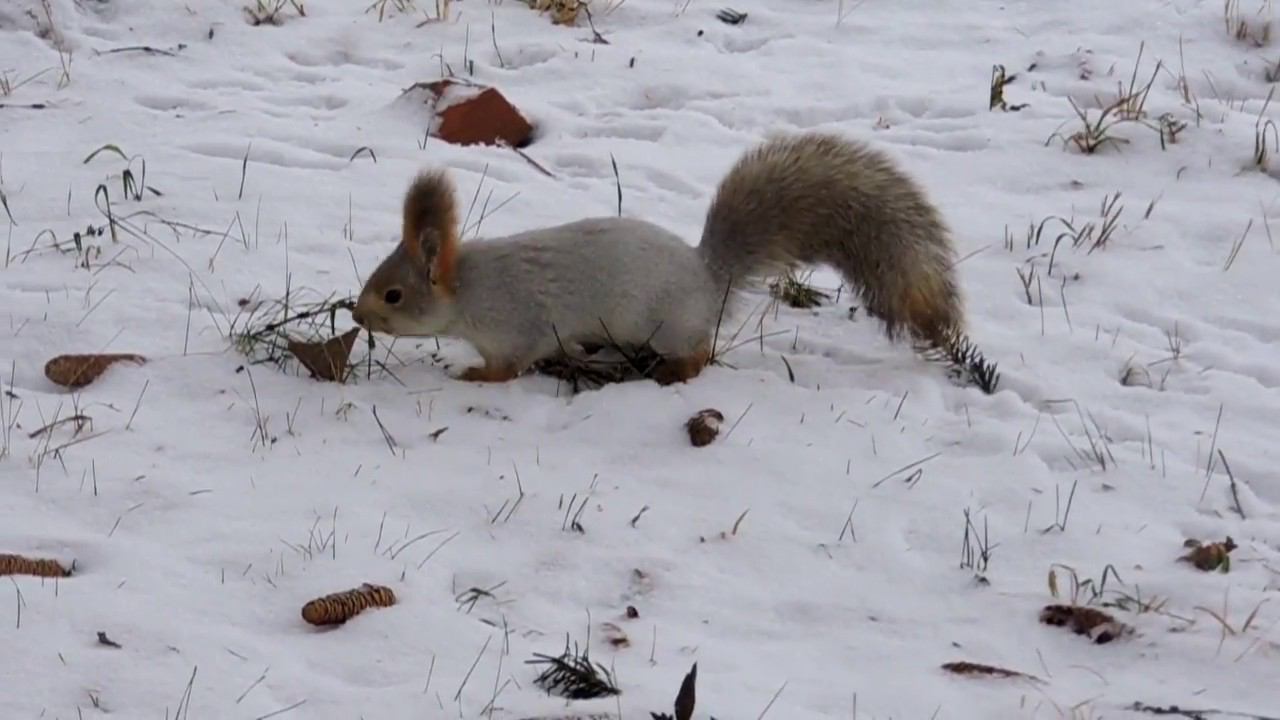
{"type": "Point", "coordinates": [1235, 493]}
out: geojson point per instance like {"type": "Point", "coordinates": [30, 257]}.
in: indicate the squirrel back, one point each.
{"type": "Point", "coordinates": [807, 198]}
{"type": "Point", "coordinates": [819, 198]}
{"type": "Point", "coordinates": [529, 296]}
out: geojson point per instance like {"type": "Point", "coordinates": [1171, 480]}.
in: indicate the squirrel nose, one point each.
{"type": "Point", "coordinates": [357, 317]}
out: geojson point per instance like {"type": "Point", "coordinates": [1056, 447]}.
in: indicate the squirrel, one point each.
{"type": "Point", "coordinates": [806, 198]}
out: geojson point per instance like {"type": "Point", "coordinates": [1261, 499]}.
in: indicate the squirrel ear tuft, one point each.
{"type": "Point", "coordinates": [429, 245]}
{"type": "Point", "coordinates": [438, 256]}
{"type": "Point", "coordinates": [430, 226]}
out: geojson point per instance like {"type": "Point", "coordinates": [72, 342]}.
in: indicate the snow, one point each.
{"type": "Point", "coordinates": [196, 547]}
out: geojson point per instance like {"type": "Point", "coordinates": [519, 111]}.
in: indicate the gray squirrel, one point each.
{"type": "Point", "coordinates": [805, 198]}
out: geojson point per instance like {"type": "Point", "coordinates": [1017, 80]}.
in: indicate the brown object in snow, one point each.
{"type": "Point", "coordinates": [76, 371]}
{"type": "Point", "coordinates": [469, 114]}
{"type": "Point", "coordinates": [704, 427]}
{"type": "Point", "coordinates": [40, 567]}
{"type": "Point", "coordinates": [340, 607]}
{"type": "Point", "coordinates": [327, 360]}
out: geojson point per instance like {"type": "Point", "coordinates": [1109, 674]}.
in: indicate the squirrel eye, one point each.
{"type": "Point", "coordinates": [392, 296]}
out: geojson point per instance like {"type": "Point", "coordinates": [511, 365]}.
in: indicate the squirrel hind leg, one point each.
{"type": "Point", "coordinates": [681, 368]}
{"type": "Point", "coordinates": [685, 348]}
{"type": "Point", "coordinates": [491, 372]}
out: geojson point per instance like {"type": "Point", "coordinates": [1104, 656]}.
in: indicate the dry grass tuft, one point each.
{"type": "Point", "coordinates": [796, 291]}
{"type": "Point", "coordinates": [574, 676]}
{"type": "Point", "coordinates": [271, 12]}
{"type": "Point", "coordinates": [1129, 106]}
{"type": "Point", "coordinates": [600, 365]}
{"type": "Point", "coordinates": [1254, 30]}
{"type": "Point", "coordinates": [295, 334]}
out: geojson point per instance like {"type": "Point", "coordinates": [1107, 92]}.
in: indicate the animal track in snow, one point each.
{"type": "Point", "coordinates": [625, 130]}
{"type": "Point", "coordinates": [318, 102]}
{"type": "Point", "coordinates": [269, 152]}
{"type": "Point", "coordinates": [969, 140]}
{"type": "Point", "coordinates": [172, 103]}
{"type": "Point", "coordinates": [338, 57]}
{"type": "Point", "coordinates": [528, 56]}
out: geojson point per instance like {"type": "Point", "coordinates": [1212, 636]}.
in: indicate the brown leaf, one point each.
{"type": "Point", "coordinates": [1096, 624]}
{"type": "Point", "coordinates": [1211, 556]}
{"type": "Point", "coordinates": [326, 360]}
{"type": "Point", "coordinates": [615, 635]}
{"type": "Point", "coordinates": [76, 371]}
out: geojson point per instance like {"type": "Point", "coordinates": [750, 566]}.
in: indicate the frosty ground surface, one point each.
{"type": "Point", "coordinates": [1129, 372]}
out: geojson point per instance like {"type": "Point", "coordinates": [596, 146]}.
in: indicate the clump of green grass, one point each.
{"type": "Point", "coordinates": [133, 185]}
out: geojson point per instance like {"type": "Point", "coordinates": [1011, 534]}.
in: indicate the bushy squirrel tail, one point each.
{"type": "Point", "coordinates": [817, 198]}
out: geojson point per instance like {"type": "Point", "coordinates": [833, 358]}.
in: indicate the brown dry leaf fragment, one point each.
{"type": "Point", "coordinates": [632, 612]}
{"type": "Point", "coordinates": [1213, 556]}
{"type": "Point", "coordinates": [563, 12]}
{"type": "Point", "coordinates": [615, 635]}
{"type": "Point", "coordinates": [19, 565]}
{"type": "Point", "coordinates": [104, 640]}
{"type": "Point", "coordinates": [326, 360]}
{"type": "Point", "coordinates": [76, 371]}
{"type": "Point", "coordinates": [340, 607]}
{"type": "Point", "coordinates": [704, 427]}
{"type": "Point", "coordinates": [1096, 624]}
{"type": "Point", "coordinates": [969, 668]}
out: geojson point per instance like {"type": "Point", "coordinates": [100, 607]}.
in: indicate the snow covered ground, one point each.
{"type": "Point", "coordinates": [1134, 375]}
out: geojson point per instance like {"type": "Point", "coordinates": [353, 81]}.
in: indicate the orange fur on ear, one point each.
{"type": "Point", "coordinates": [429, 206]}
